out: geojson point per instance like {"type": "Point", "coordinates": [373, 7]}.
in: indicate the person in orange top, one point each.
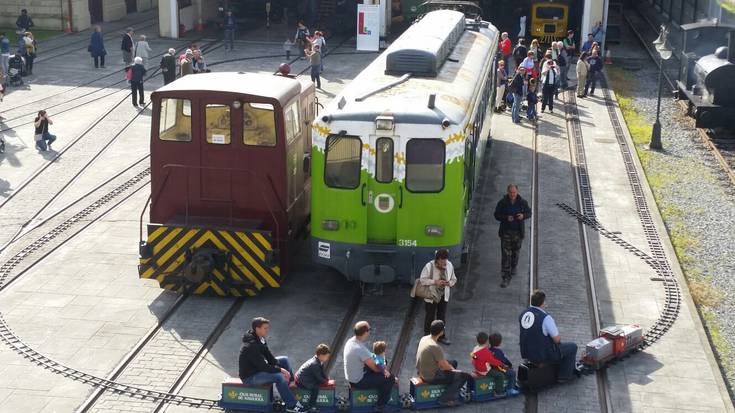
{"type": "Point", "coordinates": [486, 364]}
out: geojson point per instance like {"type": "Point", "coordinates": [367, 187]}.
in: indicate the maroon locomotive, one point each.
{"type": "Point", "coordinates": [229, 181]}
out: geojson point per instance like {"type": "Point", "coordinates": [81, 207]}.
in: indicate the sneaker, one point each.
{"type": "Point", "coordinates": [551, 110]}
{"type": "Point", "coordinates": [505, 282]}
{"type": "Point", "coordinates": [298, 408]}
{"type": "Point", "coordinates": [142, 103]}
{"type": "Point", "coordinates": [512, 392]}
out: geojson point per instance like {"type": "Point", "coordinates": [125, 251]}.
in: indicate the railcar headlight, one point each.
{"type": "Point", "coordinates": [384, 123]}
{"type": "Point", "coordinates": [330, 225]}
{"type": "Point", "coordinates": [434, 230]}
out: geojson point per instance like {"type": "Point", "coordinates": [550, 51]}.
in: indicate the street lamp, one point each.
{"type": "Point", "coordinates": [664, 52]}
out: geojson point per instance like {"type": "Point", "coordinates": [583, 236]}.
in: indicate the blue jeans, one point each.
{"type": "Point", "coordinates": [230, 38]}
{"type": "Point", "coordinates": [511, 376]}
{"type": "Point", "coordinates": [591, 80]}
{"type": "Point", "coordinates": [516, 110]}
{"type": "Point", "coordinates": [261, 378]}
{"type": "Point", "coordinates": [568, 359]}
{"type": "Point", "coordinates": [46, 140]}
{"type": "Point", "coordinates": [531, 111]}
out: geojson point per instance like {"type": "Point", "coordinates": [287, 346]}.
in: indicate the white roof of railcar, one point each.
{"type": "Point", "coordinates": [454, 86]}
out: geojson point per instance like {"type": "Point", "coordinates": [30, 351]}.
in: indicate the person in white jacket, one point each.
{"type": "Point", "coordinates": [439, 275]}
{"type": "Point", "coordinates": [142, 49]}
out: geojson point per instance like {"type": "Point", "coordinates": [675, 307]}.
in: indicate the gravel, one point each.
{"type": "Point", "coordinates": [696, 200]}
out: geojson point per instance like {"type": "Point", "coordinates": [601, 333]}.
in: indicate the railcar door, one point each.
{"type": "Point", "coordinates": [219, 126]}
{"type": "Point", "coordinates": [383, 195]}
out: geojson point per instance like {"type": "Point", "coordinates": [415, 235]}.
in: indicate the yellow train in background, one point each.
{"type": "Point", "coordinates": [549, 20]}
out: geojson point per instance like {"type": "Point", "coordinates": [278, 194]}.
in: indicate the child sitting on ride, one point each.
{"type": "Point", "coordinates": [485, 364]}
{"type": "Point", "coordinates": [311, 374]}
{"type": "Point", "coordinates": [496, 339]}
{"type": "Point", "coordinates": [379, 354]}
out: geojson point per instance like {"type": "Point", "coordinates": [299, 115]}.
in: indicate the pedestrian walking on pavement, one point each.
{"type": "Point", "coordinates": [595, 67]}
{"type": "Point", "coordinates": [44, 139]}
{"type": "Point", "coordinates": [97, 47]}
{"type": "Point", "coordinates": [517, 89]}
{"type": "Point", "coordinates": [23, 23]}
{"type": "Point", "coordinates": [511, 212]}
{"type": "Point", "coordinates": [549, 78]}
{"type": "Point", "coordinates": [315, 60]}
{"type": "Point", "coordinates": [30, 51]}
{"type": "Point", "coordinates": [439, 275]}
{"type": "Point", "coordinates": [582, 68]}
{"type": "Point", "coordinates": [302, 38]}
{"type": "Point", "coordinates": [4, 56]}
{"type": "Point", "coordinates": [501, 79]}
{"type": "Point", "coordinates": [127, 46]}
{"type": "Point", "coordinates": [137, 74]}
{"type": "Point", "coordinates": [168, 66]}
{"type": "Point", "coordinates": [142, 49]}
{"type": "Point", "coordinates": [320, 44]}
{"type": "Point", "coordinates": [229, 26]}
{"type": "Point", "coordinates": [563, 62]}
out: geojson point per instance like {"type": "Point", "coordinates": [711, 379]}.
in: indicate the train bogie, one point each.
{"type": "Point", "coordinates": [229, 181]}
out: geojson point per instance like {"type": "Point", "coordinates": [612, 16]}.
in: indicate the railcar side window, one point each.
{"type": "Point", "coordinates": [217, 118]}
{"type": "Point", "coordinates": [384, 160]}
{"type": "Point", "coordinates": [342, 169]}
{"type": "Point", "coordinates": [259, 124]}
{"type": "Point", "coordinates": [174, 123]}
{"type": "Point", "coordinates": [425, 165]}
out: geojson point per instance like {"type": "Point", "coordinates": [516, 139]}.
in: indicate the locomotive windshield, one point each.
{"type": "Point", "coordinates": [342, 169]}
{"type": "Point", "coordinates": [550, 13]}
{"type": "Point", "coordinates": [174, 123]}
{"type": "Point", "coordinates": [259, 124]}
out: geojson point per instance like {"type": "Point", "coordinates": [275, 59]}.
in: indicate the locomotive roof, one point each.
{"type": "Point", "coordinates": [455, 85]}
{"type": "Point", "coordinates": [276, 87]}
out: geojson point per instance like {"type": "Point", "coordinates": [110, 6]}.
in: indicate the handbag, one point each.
{"type": "Point", "coordinates": [426, 292]}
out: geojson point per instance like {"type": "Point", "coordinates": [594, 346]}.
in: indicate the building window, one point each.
{"type": "Point", "coordinates": [384, 160]}
{"type": "Point", "coordinates": [425, 165]}
{"type": "Point", "coordinates": [259, 124]}
{"type": "Point", "coordinates": [174, 122]}
{"type": "Point", "coordinates": [342, 165]}
{"type": "Point", "coordinates": [217, 119]}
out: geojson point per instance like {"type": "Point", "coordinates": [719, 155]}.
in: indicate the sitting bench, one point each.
{"type": "Point", "coordinates": [326, 400]}
{"type": "Point", "coordinates": [239, 396]}
{"type": "Point", "coordinates": [426, 395]}
{"type": "Point", "coordinates": [363, 400]}
{"type": "Point", "coordinates": [533, 377]}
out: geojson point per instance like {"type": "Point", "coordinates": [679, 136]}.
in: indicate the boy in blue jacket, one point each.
{"type": "Point", "coordinates": [496, 339]}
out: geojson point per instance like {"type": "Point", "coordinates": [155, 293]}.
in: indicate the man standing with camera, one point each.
{"type": "Point", "coordinates": [511, 211]}
{"type": "Point", "coordinates": [438, 275]}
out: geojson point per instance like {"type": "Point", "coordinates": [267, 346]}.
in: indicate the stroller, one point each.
{"type": "Point", "coordinates": [16, 65]}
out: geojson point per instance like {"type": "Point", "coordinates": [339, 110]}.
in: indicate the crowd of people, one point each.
{"type": "Point", "coordinates": [16, 61]}
{"type": "Point", "coordinates": [523, 72]}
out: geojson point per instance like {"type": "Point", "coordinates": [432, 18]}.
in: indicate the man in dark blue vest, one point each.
{"type": "Point", "coordinates": [540, 339]}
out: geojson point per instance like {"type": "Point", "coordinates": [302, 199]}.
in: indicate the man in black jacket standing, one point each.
{"type": "Point", "coordinates": [127, 46]}
{"type": "Point", "coordinates": [168, 66]}
{"type": "Point", "coordinates": [258, 366]}
{"type": "Point", "coordinates": [511, 211]}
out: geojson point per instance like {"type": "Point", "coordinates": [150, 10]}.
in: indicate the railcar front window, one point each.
{"type": "Point", "coordinates": [218, 124]}
{"type": "Point", "coordinates": [425, 165]}
{"type": "Point", "coordinates": [342, 168]}
{"type": "Point", "coordinates": [384, 160]}
{"type": "Point", "coordinates": [174, 122]}
{"type": "Point", "coordinates": [259, 124]}
{"type": "Point", "coordinates": [550, 13]}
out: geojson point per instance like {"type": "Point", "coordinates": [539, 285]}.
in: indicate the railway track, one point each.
{"type": "Point", "coordinates": [531, 404]}
{"type": "Point", "coordinates": [721, 147]}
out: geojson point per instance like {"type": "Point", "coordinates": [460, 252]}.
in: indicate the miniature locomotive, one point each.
{"type": "Point", "coordinates": [614, 343]}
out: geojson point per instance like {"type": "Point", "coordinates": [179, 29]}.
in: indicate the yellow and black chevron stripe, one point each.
{"type": "Point", "coordinates": [247, 271]}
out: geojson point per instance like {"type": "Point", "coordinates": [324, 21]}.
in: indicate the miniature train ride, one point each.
{"type": "Point", "coordinates": [613, 343]}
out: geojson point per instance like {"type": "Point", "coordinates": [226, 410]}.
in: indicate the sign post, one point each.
{"type": "Point", "coordinates": [368, 27]}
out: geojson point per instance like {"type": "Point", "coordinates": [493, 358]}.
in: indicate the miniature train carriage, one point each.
{"type": "Point", "coordinates": [613, 343]}
{"type": "Point", "coordinates": [397, 153]}
{"type": "Point", "coordinates": [229, 181]}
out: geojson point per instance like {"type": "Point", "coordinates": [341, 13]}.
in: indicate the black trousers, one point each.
{"type": "Point", "coordinates": [137, 87]}
{"type": "Point", "coordinates": [454, 379]}
{"type": "Point", "coordinates": [169, 77]}
{"type": "Point", "coordinates": [547, 97]}
{"type": "Point", "coordinates": [99, 60]}
{"type": "Point", "coordinates": [373, 380]}
{"type": "Point", "coordinates": [435, 311]}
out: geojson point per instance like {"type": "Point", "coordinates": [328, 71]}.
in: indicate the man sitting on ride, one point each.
{"type": "Point", "coordinates": [540, 340]}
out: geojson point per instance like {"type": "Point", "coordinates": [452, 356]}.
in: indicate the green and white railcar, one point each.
{"type": "Point", "coordinates": [396, 155]}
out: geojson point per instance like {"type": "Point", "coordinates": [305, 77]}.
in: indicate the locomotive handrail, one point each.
{"type": "Point", "coordinates": [362, 194]}
{"type": "Point", "coordinates": [169, 167]}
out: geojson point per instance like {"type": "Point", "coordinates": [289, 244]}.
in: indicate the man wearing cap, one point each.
{"type": "Point", "coordinates": [127, 46]}
{"type": "Point", "coordinates": [168, 66]}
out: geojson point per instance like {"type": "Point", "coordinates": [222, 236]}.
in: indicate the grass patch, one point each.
{"type": "Point", "coordinates": [39, 35]}
{"type": "Point", "coordinates": [724, 351]}
{"type": "Point", "coordinates": [704, 294]}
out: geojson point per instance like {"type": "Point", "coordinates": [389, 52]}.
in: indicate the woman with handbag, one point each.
{"type": "Point", "coordinates": [97, 48]}
{"type": "Point", "coordinates": [434, 285]}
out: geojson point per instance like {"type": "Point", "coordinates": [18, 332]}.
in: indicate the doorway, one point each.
{"type": "Point", "coordinates": [95, 11]}
{"type": "Point", "coordinates": [131, 6]}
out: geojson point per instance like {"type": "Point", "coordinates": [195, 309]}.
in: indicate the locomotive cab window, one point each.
{"type": "Point", "coordinates": [174, 123]}
{"type": "Point", "coordinates": [550, 13]}
{"type": "Point", "coordinates": [259, 124]}
{"type": "Point", "coordinates": [425, 165]}
{"type": "Point", "coordinates": [217, 118]}
{"type": "Point", "coordinates": [342, 169]}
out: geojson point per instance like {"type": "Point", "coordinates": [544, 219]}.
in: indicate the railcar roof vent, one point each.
{"type": "Point", "coordinates": [424, 47]}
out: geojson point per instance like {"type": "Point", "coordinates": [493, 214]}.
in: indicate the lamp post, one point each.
{"type": "Point", "coordinates": [664, 52]}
